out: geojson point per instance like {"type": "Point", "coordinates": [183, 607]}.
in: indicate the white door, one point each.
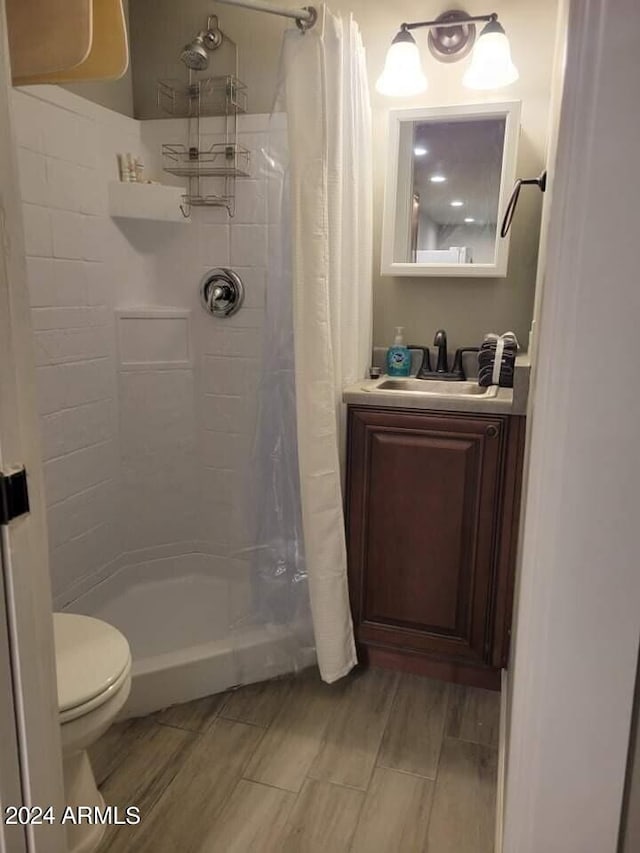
{"type": "Point", "coordinates": [27, 664]}
{"type": "Point", "coordinates": [576, 645]}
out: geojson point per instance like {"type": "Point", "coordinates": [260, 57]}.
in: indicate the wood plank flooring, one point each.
{"type": "Point", "coordinates": [381, 762]}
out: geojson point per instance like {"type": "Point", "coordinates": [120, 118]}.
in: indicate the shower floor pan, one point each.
{"type": "Point", "coordinates": [175, 614]}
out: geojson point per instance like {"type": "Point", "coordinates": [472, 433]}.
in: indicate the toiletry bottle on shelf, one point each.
{"type": "Point", "coordinates": [399, 356]}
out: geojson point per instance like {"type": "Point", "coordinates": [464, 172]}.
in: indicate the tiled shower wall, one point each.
{"type": "Point", "coordinates": [65, 160]}
{"type": "Point", "coordinates": [228, 352]}
{"type": "Point", "coordinates": [147, 462]}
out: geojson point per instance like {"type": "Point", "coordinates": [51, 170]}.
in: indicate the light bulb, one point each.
{"type": "Point", "coordinates": [491, 65]}
{"type": "Point", "coordinates": [437, 179]}
{"type": "Point", "coordinates": [419, 151]}
{"type": "Point", "coordinates": [457, 203]}
{"type": "Point", "coordinates": [402, 73]}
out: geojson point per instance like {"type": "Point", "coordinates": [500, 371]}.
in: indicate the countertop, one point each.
{"type": "Point", "coordinates": [505, 401]}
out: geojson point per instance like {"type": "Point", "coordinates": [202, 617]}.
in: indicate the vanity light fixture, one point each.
{"type": "Point", "coordinates": [452, 36]}
{"type": "Point", "coordinates": [437, 179]}
{"type": "Point", "coordinates": [402, 73]}
{"type": "Point", "coordinates": [491, 64]}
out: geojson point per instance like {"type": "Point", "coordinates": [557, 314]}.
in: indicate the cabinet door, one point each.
{"type": "Point", "coordinates": [423, 510]}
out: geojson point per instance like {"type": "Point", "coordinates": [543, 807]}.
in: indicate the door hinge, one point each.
{"type": "Point", "coordinates": [14, 495]}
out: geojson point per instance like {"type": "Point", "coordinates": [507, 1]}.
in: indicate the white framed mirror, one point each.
{"type": "Point", "coordinates": [450, 172]}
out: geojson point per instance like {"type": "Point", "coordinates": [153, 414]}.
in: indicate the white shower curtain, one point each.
{"type": "Point", "coordinates": [330, 176]}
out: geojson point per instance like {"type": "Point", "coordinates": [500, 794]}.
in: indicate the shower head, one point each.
{"type": "Point", "coordinates": [195, 55]}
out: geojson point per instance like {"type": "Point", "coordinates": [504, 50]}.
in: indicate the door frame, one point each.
{"type": "Point", "coordinates": [28, 605]}
{"type": "Point", "coordinates": [578, 619]}
{"type": "Point", "coordinates": [13, 838]}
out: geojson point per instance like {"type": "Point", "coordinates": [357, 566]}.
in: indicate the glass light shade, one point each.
{"type": "Point", "coordinates": [402, 73]}
{"type": "Point", "coordinates": [491, 65]}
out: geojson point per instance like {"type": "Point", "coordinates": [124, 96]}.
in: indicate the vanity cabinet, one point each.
{"type": "Point", "coordinates": [432, 508]}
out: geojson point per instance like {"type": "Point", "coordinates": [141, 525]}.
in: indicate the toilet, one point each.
{"type": "Point", "coordinates": [93, 665]}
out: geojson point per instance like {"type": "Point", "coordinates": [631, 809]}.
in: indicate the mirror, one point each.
{"type": "Point", "coordinates": [450, 172]}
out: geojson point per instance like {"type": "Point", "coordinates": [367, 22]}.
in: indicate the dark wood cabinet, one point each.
{"type": "Point", "coordinates": [432, 523]}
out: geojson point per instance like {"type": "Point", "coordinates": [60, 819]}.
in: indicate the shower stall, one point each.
{"type": "Point", "coordinates": [212, 592]}
{"type": "Point", "coordinates": [170, 439]}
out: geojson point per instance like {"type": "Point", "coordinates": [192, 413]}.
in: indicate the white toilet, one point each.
{"type": "Point", "coordinates": [93, 664]}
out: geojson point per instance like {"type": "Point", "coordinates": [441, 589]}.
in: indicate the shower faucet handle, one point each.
{"type": "Point", "coordinates": [221, 292]}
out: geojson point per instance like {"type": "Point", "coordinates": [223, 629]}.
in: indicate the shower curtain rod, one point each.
{"type": "Point", "coordinates": [305, 18]}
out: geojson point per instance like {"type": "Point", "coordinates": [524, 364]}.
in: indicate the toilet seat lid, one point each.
{"type": "Point", "coordinates": [90, 656]}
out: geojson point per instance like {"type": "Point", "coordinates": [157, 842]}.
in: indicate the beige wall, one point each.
{"type": "Point", "coordinates": [467, 308]}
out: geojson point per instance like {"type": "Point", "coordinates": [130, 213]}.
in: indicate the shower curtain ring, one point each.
{"type": "Point", "coordinates": [303, 26]}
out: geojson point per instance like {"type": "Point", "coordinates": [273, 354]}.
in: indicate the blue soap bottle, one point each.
{"type": "Point", "coordinates": [399, 356]}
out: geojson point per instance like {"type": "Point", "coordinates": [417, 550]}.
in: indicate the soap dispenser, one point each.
{"type": "Point", "coordinates": [399, 356]}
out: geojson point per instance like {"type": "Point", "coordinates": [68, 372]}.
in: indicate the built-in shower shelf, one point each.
{"type": "Point", "coordinates": [146, 201]}
{"type": "Point", "coordinates": [209, 96]}
{"type": "Point", "coordinates": [218, 161]}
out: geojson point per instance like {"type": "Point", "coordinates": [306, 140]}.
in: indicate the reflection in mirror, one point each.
{"type": "Point", "coordinates": [449, 176]}
{"type": "Point", "coordinates": [457, 167]}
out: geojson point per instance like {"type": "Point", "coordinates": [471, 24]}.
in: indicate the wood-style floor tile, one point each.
{"type": "Point", "coordinates": [194, 716]}
{"type": "Point", "coordinates": [145, 759]}
{"type": "Point", "coordinates": [324, 819]}
{"type": "Point", "coordinates": [153, 760]}
{"type": "Point", "coordinates": [413, 736]}
{"type": "Point", "coordinates": [189, 807]}
{"type": "Point", "coordinates": [396, 813]}
{"type": "Point", "coordinates": [114, 746]}
{"type": "Point", "coordinates": [257, 704]}
{"type": "Point", "coordinates": [474, 714]}
{"type": "Point", "coordinates": [252, 821]}
{"type": "Point", "coordinates": [294, 773]}
{"type": "Point", "coordinates": [291, 742]}
{"type": "Point", "coordinates": [464, 803]}
{"type": "Point", "coordinates": [352, 738]}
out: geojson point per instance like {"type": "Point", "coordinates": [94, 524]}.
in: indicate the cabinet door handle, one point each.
{"type": "Point", "coordinates": [492, 431]}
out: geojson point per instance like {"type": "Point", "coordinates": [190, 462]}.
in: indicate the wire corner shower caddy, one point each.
{"type": "Point", "coordinates": [210, 167]}
{"type": "Point", "coordinates": [223, 160]}
{"type": "Point", "coordinates": [226, 96]}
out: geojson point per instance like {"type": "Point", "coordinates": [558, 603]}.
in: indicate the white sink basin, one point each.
{"type": "Point", "coordinates": [435, 387]}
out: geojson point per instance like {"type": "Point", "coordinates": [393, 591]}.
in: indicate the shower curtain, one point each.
{"type": "Point", "coordinates": [319, 175]}
{"type": "Point", "coordinates": [329, 123]}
